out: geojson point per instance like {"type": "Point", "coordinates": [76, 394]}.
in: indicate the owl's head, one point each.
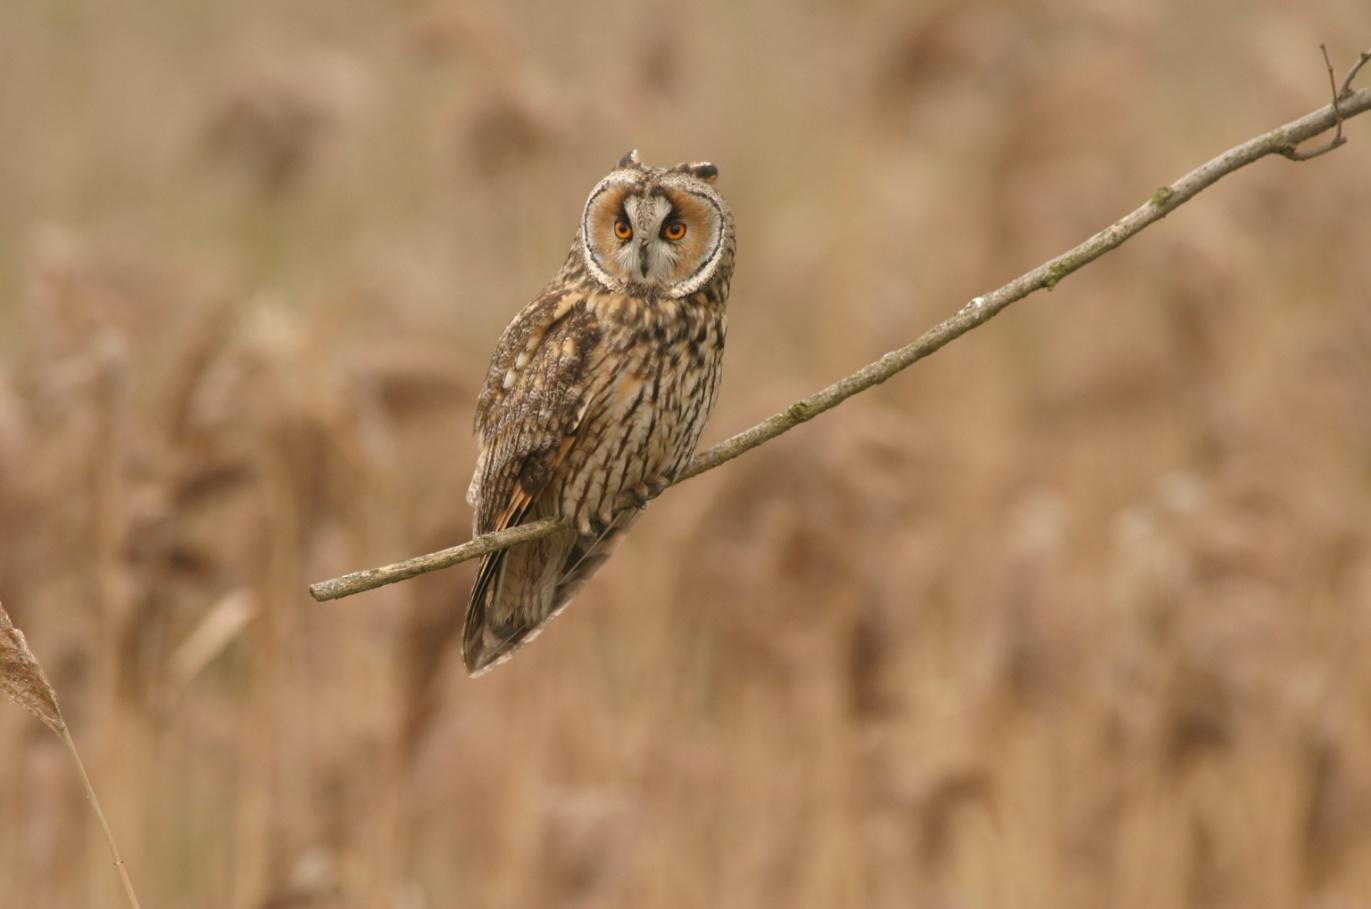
{"type": "Point", "coordinates": [659, 229]}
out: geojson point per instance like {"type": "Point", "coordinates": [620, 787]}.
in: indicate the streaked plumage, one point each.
{"type": "Point", "coordinates": [597, 392]}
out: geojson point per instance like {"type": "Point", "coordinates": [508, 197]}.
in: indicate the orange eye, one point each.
{"type": "Point", "coordinates": [674, 230]}
{"type": "Point", "coordinates": [622, 229]}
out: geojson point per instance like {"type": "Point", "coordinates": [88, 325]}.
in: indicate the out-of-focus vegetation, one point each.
{"type": "Point", "coordinates": [1075, 614]}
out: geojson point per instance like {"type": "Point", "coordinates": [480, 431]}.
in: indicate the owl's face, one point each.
{"type": "Point", "coordinates": [654, 229]}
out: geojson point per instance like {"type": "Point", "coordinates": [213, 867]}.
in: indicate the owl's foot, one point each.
{"type": "Point", "coordinates": [598, 525]}
{"type": "Point", "coordinates": [603, 521]}
{"type": "Point", "coordinates": [648, 490]}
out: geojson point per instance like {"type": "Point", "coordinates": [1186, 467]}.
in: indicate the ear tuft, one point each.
{"type": "Point", "coordinates": [630, 159]}
{"type": "Point", "coordinates": [703, 170]}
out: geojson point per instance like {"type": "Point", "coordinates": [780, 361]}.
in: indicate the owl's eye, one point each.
{"type": "Point", "coordinates": [674, 230]}
{"type": "Point", "coordinates": [622, 229]}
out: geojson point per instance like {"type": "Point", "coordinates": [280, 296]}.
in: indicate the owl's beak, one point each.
{"type": "Point", "coordinates": [642, 258]}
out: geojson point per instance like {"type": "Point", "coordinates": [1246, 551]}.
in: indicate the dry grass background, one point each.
{"type": "Point", "coordinates": [1075, 614]}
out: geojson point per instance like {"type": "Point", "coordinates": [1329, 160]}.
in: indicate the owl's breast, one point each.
{"type": "Point", "coordinates": [652, 387]}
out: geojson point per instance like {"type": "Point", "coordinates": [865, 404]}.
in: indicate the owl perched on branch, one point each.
{"type": "Point", "coordinates": [597, 392]}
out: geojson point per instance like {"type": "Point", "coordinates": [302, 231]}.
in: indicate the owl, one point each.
{"type": "Point", "coordinates": [597, 392]}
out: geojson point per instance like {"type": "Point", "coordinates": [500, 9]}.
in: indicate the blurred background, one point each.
{"type": "Point", "coordinates": [1074, 614]}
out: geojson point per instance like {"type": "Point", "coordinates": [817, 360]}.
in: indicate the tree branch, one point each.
{"type": "Point", "coordinates": [1282, 140]}
{"type": "Point", "coordinates": [1295, 154]}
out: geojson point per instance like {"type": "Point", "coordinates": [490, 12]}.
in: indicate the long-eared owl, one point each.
{"type": "Point", "coordinates": [597, 392]}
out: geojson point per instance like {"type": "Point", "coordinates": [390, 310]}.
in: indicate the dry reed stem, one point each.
{"type": "Point", "coordinates": [1281, 141]}
{"type": "Point", "coordinates": [23, 679]}
{"type": "Point", "coordinates": [221, 625]}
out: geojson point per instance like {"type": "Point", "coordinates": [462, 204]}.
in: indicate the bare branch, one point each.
{"type": "Point", "coordinates": [977, 312]}
{"type": "Point", "coordinates": [371, 578]}
{"type": "Point", "coordinates": [1362, 60]}
{"type": "Point", "coordinates": [1294, 154]}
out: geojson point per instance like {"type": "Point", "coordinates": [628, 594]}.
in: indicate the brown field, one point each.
{"type": "Point", "coordinates": [1075, 614]}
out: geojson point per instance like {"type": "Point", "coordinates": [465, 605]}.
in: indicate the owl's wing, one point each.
{"type": "Point", "coordinates": [530, 408]}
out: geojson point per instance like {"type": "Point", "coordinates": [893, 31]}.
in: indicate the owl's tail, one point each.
{"type": "Point", "coordinates": [519, 589]}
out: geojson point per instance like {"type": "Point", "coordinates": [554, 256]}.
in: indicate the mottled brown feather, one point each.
{"type": "Point", "coordinates": [595, 400]}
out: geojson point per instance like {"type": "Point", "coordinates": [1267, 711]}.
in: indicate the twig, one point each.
{"type": "Point", "coordinates": [1278, 141]}
{"type": "Point", "coordinates": [371, 578]}
{"type": "Point", "coordinates": [1362, 60]}
{"type": "Point", "coordinates": [1294, 154]}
